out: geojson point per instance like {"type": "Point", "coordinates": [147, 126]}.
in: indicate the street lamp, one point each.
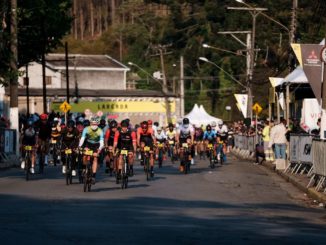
{"type": "Point", "coordinates": [224, 71]}
{"type": "Point", "coordinates": [147, 73]}
{"type": "Point", "coordinates": [205, 45]}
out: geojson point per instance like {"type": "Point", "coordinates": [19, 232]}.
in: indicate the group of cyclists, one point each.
{"type": "Point", "coordinates": [108, 140]}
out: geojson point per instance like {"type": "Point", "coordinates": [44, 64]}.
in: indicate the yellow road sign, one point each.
{"type": "Point", "coordinates": [257, 108]}
{"type": "Point", "coordinates": [65, 107]}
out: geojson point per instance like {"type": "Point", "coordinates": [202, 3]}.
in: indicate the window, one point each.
{"type": "Point", "coordinates": [48, 80]}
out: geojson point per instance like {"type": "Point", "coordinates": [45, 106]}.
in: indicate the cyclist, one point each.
{"type": "Point", "coordinates": [92, 138]}
{"type": "Point", "coordinates": [125, 140]}
{"type": "Point", "coordinates": [185, 134]}
{"type": "Point", "coordinates": [199, 134]}
{"type": "Point", "coordinates": [69, 139]}
{"type": "Point", "coordinates": [44, 135]}
{"type": "Point", "coordinates": [55, 136]}
{"type": "Point", "coordinates": [160, 138]}
{"type": "Point", "coordinates": [209, 138]}
{"type": "Point", "coordinates": [170, 135]}
{"type": "Point", "coordinates": [109, 140]}
{"type": "Point", "coordinates": [29, 138]}
{"type": "Point", "coordinates": [145, 137]}
{"type": "Point", "coordinates": [102, 124]}
{"type": "Point", "coordinates": [222, 132]}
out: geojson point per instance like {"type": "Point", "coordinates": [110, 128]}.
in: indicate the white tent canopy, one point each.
{"type": "Point", "coordinates": [198, 115]}
{"type": "Point", "coordinates": [296, 76]}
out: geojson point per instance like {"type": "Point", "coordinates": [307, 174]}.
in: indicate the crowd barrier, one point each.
{"type": "Point", "coordinates": [300, 154]}
{"type": "Point", "coordinates": [245, 146]}
{"type": "Point", "coordinates": [319, 164]}
{"type": "Point", "coordinates": [7, 143]}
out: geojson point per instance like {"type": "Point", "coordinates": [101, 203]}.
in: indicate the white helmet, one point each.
{"type": "Point", "coordinates": [213, 124]}
{"type": "Point", "coordinates": [220, 123]}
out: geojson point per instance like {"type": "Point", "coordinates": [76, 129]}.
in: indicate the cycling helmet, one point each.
{"type": "Point", "coordinates": [86, 123]}
{"type": "Point", "coordinates": [213, 124]}
{"type": "Point", "coordinates": [220, 123]}
{"type": "Point", "coordinates": [159, 129]}
{"type": "Point", "coordinates": [144, 125]}
{"type": "Point", "coordinates": [171, 125]}
{"type": "Point", "coordinates": [185, 121]}
{"type": "Point", "coordinates": [103, 122]}
{"type": "Point", "coordinates": [156, 124]}
{"type": "Point", "coordinates": [94, 120]}
{"type": "Point", "coordinates": [150, 122]}
{"type": "Point", "coordinates": [113, 124]}
{"type": "Point", "coordinates": [44, 116]}
{"type": "Point", "coordinates": [208, 128]}
{"type": "Point", "coordinates": [30, 122]}
{"type": "Point", "coordinates": [71, 124]}
{"type": "Point", "coordinates": [125, 124]}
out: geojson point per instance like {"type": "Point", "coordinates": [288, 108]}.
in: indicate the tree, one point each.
{"type": "Point", "coordinates": [41, 26]}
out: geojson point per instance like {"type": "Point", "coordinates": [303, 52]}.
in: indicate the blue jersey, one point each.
{"type": "Point", "coordinates": [93, 136]}
{"type": "Point", "coordinates": [210, 135]}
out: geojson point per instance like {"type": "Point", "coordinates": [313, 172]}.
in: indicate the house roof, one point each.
{"type": "Point", "coordinates": [84, 62]}
{"type": "Point", "coordinates": [38, 92]}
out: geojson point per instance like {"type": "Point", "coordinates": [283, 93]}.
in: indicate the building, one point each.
{"type": "Point", "coordinates": [97, 84]}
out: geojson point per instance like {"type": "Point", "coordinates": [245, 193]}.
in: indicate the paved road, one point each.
{"type": "Point", "coordinates": [238, 203]}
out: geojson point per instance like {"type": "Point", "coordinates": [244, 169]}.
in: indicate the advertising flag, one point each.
{"type": "Point", "coordinates": [242, 100]}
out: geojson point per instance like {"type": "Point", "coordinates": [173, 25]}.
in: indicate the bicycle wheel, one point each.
{"type": "Point", "coordinates": [147, 169]}
{"type": "Point", "coordinates": [85, 180]}
{"type": "Point", "coordinates": [41, 162]}
{"type": "Point", "coordinates": [160, 158]}
{"type": "Point", "coordinates": [27, 166]}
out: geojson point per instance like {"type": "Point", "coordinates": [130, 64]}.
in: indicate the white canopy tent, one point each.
{"type": "Point", "coordinates": [198, 115]}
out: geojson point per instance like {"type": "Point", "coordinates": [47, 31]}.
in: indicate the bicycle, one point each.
{"type": "Point", "coordinates": [210, 148]}
{"type": "Point", "coordinates": [125, 169]}
{"type": "Point", "coordinates": [55, 151]}
{"type": "Point", "coordinates": [171, 150]}
{"type": "Point", "coordinates": [185, 162]}
{"type": "Point", "coordinates": [28, 160]}
{"type": "Point", "coordinates": [146, 158]}
{"type": "Point", "coordinates": [68, 174]}
{"type": "Point", "coordinates": [160, 154]}
{"type": "Point", "coordinates": [88, 172]}
{"type": "Point", "coordinates": [42, 154]}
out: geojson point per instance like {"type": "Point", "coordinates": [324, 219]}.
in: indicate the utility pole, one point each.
{"type": "Point", "coordinates": [67, 71]}
{"type": "Point", "coordinates": [27, 91]}
{"type": "Point", "coordinates": [323, 115]}
{"type": "Point", "coordinates": [182, 88]}
{"type": "Point", "coordinates": [14, 120]}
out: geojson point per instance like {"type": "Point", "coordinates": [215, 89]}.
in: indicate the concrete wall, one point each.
{"type": "Point", "coordinates": [36, 79]}
{"type": "Point", "coordinates": [96, 79]}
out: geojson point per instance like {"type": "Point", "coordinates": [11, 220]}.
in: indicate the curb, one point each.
{"type": "Point", "coordinates": [311, 192]}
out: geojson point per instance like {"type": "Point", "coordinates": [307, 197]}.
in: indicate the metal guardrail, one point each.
{"type": "Point", "coordinates": [7, 143]}
{"type": "Point", "coordinates": [245, 142]}
{"type": "Point", "coordinates": [319, 164]}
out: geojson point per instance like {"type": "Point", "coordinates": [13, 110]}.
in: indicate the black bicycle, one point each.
{"type": "Point", "coordinates": [210, 148]}
{"type": "Point", "coordinates": [160, 147]}
{"type": "Point", "coordinates": [28, 160]}
{"type": "Point", "coordinates": [55, 146]}
{"type": "Point", "coordinates": [125, 169]}
{"type": "Point", "coordinates": [68, 174]}
{"type": "Point", "coordinates": [185, 162]}
{"type": "Point", "coordinates": [146, 158]}
{"type": "Point", "coordinates": [88, 172]}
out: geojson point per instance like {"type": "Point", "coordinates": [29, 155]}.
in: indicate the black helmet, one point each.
{"type": "Point", "coordinates": [156, 124]}
{"type": "Point", "coordinates": [86, 123]}
{"type": "Point", "coordinates": [102, 122]}
{"type": "Point", "coordinates": [208, 127]}
{"type": "Point", "coordinates": [170, 125]}
{"type": "Point", "coordinates": [113, 124]}
{"type": "Point", "coordinates": [71, 124]}
{"type": "Point", "coordinates": [185, 121]}
{"type": "Point", "coordinates": [124, 123]}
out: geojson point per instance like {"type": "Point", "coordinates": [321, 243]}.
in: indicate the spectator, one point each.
{"type": "Point", "coordinates": [259, 152]}
{"type": "Point", "coordinates": [278, 138]}
{"type": "Point", "coordinates": [316, 131]}
{"type": "Point", "coordinates": [266, 138]}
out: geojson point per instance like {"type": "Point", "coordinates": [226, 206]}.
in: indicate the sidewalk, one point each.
{"type": "Point", "coordinates": [300, 181]}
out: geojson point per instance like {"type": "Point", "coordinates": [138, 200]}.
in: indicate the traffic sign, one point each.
{"type": "Point", "coordinates": [323, 55]}
{"type": "Point", "coordinates": [65, 107]}
{"type": "Point", "coordinates": [257, 108]}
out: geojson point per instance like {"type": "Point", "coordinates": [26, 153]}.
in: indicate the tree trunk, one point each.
{"type": "Point", "coordinates": [75, 28]}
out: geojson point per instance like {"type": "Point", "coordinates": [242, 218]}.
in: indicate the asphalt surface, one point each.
{"type": "Point", "coordinates": [238, 203]}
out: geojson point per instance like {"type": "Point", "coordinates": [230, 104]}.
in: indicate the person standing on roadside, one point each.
{"type": "Point", "coordinates": [266, 138]}
{"type": "Point", "coordinates": [278, 138]}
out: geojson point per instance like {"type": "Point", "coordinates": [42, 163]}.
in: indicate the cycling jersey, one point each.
{"type": "Point", "coordinates": [160, 137]}
{"type": "Point", "coordinates": [92, 138]}
{"type": "Point", "coordinates": [222, 132]}
{"type": "Point", "coordinates": [44, 131]}
{"type": "Point", "coordinates": [146, 136]}
{"type": "Point", "coordinates": [199, 133]}
{"type": "Point", "coordinates": [109, 136]}
{"type": "Point", "coordinates": [209, 135]}
{"type": "Point", "coordinates": [29, 136]}
{"type": "Point", "coordinates": [55, 131]}
{"type": "Point", "coordinates": [185, 132]}
{"type": "Point", "coordinates": [171, 134]}
{"type": "Point", "coordinates": [69, 139]}
{"type": "Point", "coordinates": [125, 140]}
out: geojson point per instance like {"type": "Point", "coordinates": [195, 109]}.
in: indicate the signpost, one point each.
{"type": "Point", "coordinates": [257, 109]}
{"type": "Point", "coordinates": [65, 107]}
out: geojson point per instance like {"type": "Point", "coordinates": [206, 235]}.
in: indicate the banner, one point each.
{"type": "Point", "coordinates": [305, 154]}
{"type": "Point", "coordinates": [276, 81]}
{"type": "Point", "coordinates": [294, 148]}
{"type": "Point", "coordinates": [309, 58]}
{"type": "Point", "coordinates": [242, 100]}
{"type": "Point", "coordinates": [281, 100]}
{"type": "Point", "coordinates": [118, 106]}
{"type": "Point", "coordinates": [311, 111]}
